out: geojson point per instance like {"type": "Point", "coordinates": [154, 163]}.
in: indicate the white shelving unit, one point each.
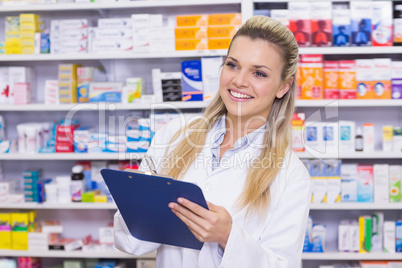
{"type": "Point", "coordinates": [66, 206]}
{"type": "Point", "coordinates": [114, 5]}
{"type": "Point", "coordinates": [186, 105]}
{"type": "Point", "coordinates": [356, 206]}
{"type": "Point", "coordinates": [111, 56]}
{"type": "Point", "coordinates": [128, 156]}
{"type": "Point", "coordinates": [351, 256]}
{"type": "Point", "coordinates": [74, 254]}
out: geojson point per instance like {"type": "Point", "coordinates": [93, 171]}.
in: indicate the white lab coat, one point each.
{"type": "Point", "coordinates": [275, 241]}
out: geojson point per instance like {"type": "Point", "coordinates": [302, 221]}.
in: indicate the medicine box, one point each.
{"type": "Point", "coordinates": [105, 92]}
{"type": "Point", "coordinates": [347, 79]}
{"type": "Point", "coordinates": [398, 236]}
{"type": "Point", "coordinates": [389, 236]}
{"type": "Point", "coordinates": [224, 19]}
{"type": "Point", "coordinates": [321, 24]}
{"type": "Point", "coordinates": [382, 78]}
{"type": "Point", "coordinates": [361, 16]}
{"type": "Point", "coordinates": [396, 79]}
{"type": "Point", "coordinates": [191, 80]}
{"type": "Point", "coordinates": [349, 182]}
{"type": "Point", "coordinates": [210, 70]}
{"type": "Point", "coordinates": [312, 76]}
{"type": "Point", "coordinates": [191, 44]}
{"type": "Point", "coordinates": [341, 25]}
{"type": "Point", "coordinates": [364, 79]}
{"type": "Point", "coordinates": [191, 20]}
{"type": "Point", "coordinates": [331, 80]}
{"type": "Point", "coordinates": [382, 23]}
{"type": "Point", "coordinates": [365, 187]}
{"type": "Point", "coordinates": [395, 183]}
{"type": "Point", "coordinates": [300, 22]}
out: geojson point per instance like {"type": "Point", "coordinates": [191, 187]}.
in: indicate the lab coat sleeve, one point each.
{"type": "Point", "coordinates": [280, 245]}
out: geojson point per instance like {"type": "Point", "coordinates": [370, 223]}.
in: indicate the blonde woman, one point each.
{"type": "Point", "coordinates": [240, 154]}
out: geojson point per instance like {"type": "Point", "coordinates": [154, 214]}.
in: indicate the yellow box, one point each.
{"type": "Point", "coordinates": [27, 50]}
{"type": "Point", "coordinates": [192, 44]}
{"type": "Point", "coordinates": [5, 231]}
{"type": "Point", "coordinates": [191, 20]}
{"type": "Point", "coordinates": [225, 19]}
{"type": "Point", "coordinates": [32, 223]}
{"type": "Point", "coordinates": [219, 43]}
{"type": "Point", "coordinates": [12, 25]}
{"type": "Point", "coordinates": [30, 28]}
{"type": "Point", "coordinates": [19, 240]}
{"type": "Point", "coordinates": [222, 31]}
{"type": "Point", "coordinates": [28, 43]}
{"type": "Point", "coordinates": [100, 198]}
{"type": "Point", "coordinates": [29, 18]}
{"type": "Point", "coordinates": [191, 32]}
{"type": "Point", "coordinates": [19, 221]}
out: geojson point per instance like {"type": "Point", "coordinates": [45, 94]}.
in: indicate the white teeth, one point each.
{"type": "Point", "coordinates": [239, 95]}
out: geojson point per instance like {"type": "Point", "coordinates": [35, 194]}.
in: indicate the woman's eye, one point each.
{"type": "Point", "coordinates": [231, 65]}
{"type": "Point", "coordinates": [260, 74]}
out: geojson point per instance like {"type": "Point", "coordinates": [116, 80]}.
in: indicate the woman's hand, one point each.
{"type": "Point", "coordinates": [213, 225]}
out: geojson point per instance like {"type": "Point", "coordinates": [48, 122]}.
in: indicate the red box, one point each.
{"type": "Point", "coordinates": [65, 129]}
{"type": "Point", "coordinates": [64, 148]}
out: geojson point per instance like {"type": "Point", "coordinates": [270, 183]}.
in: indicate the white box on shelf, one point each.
{"type": "Point", "coordinates": [381, 183]}
{"type": "Point", "coordinates": [346, 136]}
{"type": "Point", "coordinates": [349, 182]}
{"type": "Point", "coordinates": [344, 236]}
{"type": "Point", "coordinates": [115, 23]}
{"type": "Point", "coordinates": [389, 236]}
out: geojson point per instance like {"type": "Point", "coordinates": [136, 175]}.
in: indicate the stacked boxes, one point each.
{"type": "Point", "coordinates": [12, 32]}
{"type": "Point", "coordinates": [15, 85]}
{"type": "Point", "coordinates": [198, 32]}
{"type": "Point", "coordinates": [21, 223]}
{"type": "Point", "coordinates": [32, 191]}
{"type": "Point", "coordinates": [65, 138]}
{"type": "Point", "coordinates": [111, 35]}
{"type": "Point", "coordinates": [69, 36]}
{"type": "Point", "coordinates": [30, 24]}
{"type": "Point", "coordinates": [5, 231]}
{"type": "Point", "coordinates": [68, 83]}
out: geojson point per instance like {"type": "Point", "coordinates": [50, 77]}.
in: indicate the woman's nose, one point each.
{"type": "Point", "coordinates": [240, 79]}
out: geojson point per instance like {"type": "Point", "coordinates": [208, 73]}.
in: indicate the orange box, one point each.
{"type": "Point", "coordinates": [331, 80]}
{"type": "Point", "coordinates": [298, 81]}
{"type": "Point", "coordinates": [382, 78]}
{"type": "Point", "coordinates": [191, 20]}
{"type": "Point", "coordinates": [191, 32]}
{"type": "Point", "coordinates": [222, 31]}
{"type": "Point", "coordinates": [192, 44]}
{"type": "Point", "coordinates": [364, 79]}
{"type": "Point", "coordinates": [225, 19]}
{"type": "Point", "coordinates": [347, 79]}
{"type": "Point", "coordinates": [219, 43]}
{"type": "Point", "coordinates": [312, 77]}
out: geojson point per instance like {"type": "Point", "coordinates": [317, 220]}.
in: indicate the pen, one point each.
{"type": "Point", "coordinates": [150, 163]}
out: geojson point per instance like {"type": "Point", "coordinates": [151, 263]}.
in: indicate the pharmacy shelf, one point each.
{"type": "Point", "coordinates": [349, 50]}
{"type": "Point", "coordinates": [283, 1]}
{"type": "Point", "coordinates": [111, 56]}
{"type": "Point", "coordinates": [103, 106]}
{"type": "Point", "coordinates": [113, 5]}
{"type": "Point", "coordinates": [72, 156]}
{"type": "Point", "coordinates": [186, 54]}
{"type": "Point", "coordinates": [352, 155]}
{"type": "Point", "coordinates": [74, 254]}
{"type": "Point", "coordinates": [356, 206]}
{"type": "Point", "coordinates": [351, 256]}
{"type": "Point", "coordinates": [185, 105]}
{"type": "Point", "coordinates": [348, 103]}
{"type": "Point", "coordinates": [136, 156]}
{"type": "Point", "coordinates": [50, 206]}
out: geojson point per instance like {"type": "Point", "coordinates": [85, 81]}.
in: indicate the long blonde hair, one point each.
{"type": "Point", "coordinates": [277, 137]}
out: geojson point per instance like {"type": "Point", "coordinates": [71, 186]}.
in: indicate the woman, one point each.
{"type": "Point", "coordinates": [240, 154]}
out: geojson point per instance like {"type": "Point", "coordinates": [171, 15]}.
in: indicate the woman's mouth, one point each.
{"type": "Point", "coordinates": [239, 96]}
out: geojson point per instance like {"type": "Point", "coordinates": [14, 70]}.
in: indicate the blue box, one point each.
{"type": "Point", "coordinates": [191, 81]}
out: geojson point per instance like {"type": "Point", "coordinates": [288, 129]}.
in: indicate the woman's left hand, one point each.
{"type": "Point", "coordinates": [213, 225]}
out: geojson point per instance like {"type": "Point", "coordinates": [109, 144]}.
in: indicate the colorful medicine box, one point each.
{"type": "Point", "coordinates": [312, 77]}
{"type": "Point", "coordinates": [347, 79]}
{"type": "Point", "coordinates": [191, 80]}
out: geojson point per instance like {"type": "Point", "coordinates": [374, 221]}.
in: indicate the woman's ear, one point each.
{"type": "Point", "coordinates": [285, 87]}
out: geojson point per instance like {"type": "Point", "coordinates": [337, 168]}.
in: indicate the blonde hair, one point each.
{"type": "Point", "coordinates": [277, 137]}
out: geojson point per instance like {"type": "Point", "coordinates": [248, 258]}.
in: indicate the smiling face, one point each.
{"type": "Point", "coordinates": [251, 78]}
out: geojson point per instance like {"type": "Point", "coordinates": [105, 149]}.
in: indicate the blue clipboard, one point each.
{"type": "Point", "coordinates": [143, 203]}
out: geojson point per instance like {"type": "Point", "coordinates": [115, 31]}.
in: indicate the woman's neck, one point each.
{"type": "Point", "coordinates": [238, 127]}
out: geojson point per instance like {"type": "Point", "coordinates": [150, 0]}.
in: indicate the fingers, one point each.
{"type": "Point", "coordinates": [194, 228]}
{"type": "Point", "coordinates": [197, 209]}
{"type": "Point", "coordinates": [191, 215]}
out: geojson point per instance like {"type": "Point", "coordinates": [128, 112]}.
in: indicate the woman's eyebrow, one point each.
{"type": "Point", "coordinates": [255, 66]}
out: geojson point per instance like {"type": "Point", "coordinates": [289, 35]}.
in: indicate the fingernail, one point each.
{"type": "Point", "coordinates": [180, 200]}
{"type": "Point", "coordinates": [171, 205]}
